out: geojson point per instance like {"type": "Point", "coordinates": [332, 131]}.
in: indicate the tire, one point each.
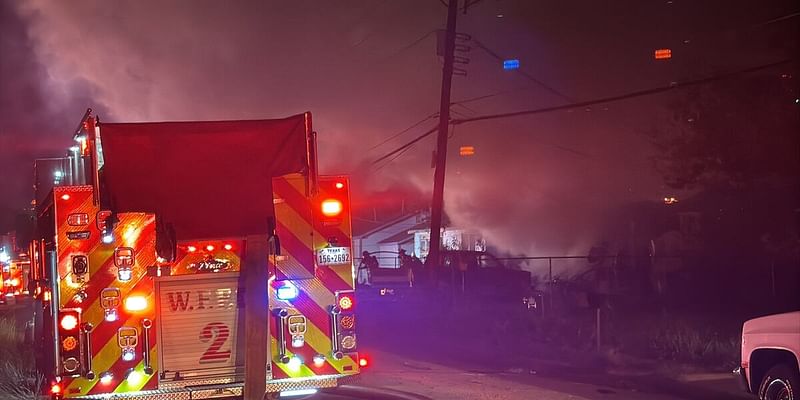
{"type": "Point", "coordinates": [780, 383]}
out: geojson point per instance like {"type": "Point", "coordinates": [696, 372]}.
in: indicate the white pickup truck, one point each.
{"type": "Point", "coordinates": [770, 354]}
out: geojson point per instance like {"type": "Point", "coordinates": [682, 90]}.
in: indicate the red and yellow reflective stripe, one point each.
{"type": "Point", "coordinates": [135, 230]}
{"type": "Point", "coordinates": [316, 294]}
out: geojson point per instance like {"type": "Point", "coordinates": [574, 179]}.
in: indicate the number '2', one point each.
{"type": "Point", "coordinates": [218, 334]}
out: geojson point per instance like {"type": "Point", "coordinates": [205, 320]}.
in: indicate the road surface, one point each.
{"type": "Point", "coordinates": [404, 367]}
{"type": "Point", "coordinates": [445, 382]}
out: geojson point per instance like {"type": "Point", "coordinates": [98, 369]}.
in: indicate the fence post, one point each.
{"type": "Point", "coordinates": [598, 329]}
{"type": "Point", "coordinates": [550, 284]}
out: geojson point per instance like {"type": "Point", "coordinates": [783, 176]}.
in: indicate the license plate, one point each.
{"type": "Point", "coordinates": [333, 256]}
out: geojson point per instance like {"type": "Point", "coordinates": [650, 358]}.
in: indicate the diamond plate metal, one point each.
{"type": "Point", "coordinates": [215, 388]}
{"type": "Point", "coordinates": [296, 384]}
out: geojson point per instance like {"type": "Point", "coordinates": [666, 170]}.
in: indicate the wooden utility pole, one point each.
{"type": "Point", "coordinates": [441, 139]}
{"type": "Point", "coordinates": [253, 280]}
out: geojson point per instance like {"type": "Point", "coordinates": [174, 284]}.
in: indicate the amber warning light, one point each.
{"type": "Point", "coordinates": [663, 54]}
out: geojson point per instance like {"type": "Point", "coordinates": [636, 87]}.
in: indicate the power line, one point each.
{"type": "Point", "coordinates": [778, 19]}
{"type": "Point", "coordinates": [407, 145]}
{"type": "Point", "coordinates": [410, 45]}
{"type": "Point", "coordinates": [416, 124]}
{"type": "Point", "coordinates": [625, 96]}
{"type": "Point", "coordinates": [391, 160]}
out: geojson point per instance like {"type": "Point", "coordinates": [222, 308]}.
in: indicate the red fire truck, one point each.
{"type": "Point", "coordinates": [148, 252]}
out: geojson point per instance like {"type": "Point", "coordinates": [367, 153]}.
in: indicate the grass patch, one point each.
{"type": "Point", "coordinates": [685, 341]}
{"type": "Point", "coordinates": [701, 342]}
{"type": "Point", "coordinates": [18, 377]}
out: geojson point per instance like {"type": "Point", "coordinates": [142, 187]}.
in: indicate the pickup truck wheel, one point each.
{"type": "Point", "coordinates": [780, 383]}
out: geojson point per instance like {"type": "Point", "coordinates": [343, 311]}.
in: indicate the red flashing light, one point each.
{"type": "Point", "coordinates": [346, 301]}
{"type": "Point", "coordinates": [339, 185]}
{"type": "Point", "coordinates": [56, 388]}
{"type": "Point", "coordinates": [210, 247]}
{"type": "Point", "coordinates": [191, 249]}
{"type": "Point", "coordinates": [363, 362]}
{"type": "Point", "coordinates": [65, 196]}
{"type": "Point", "coordinates": [228, 246]}
{"type": "Point", "coordinates": [331, 207]}
{"type": "Point", "coordinates": [69, 322]}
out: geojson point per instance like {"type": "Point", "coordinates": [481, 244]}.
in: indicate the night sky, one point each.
{"type": "Point", "coordinates": [368, 69]}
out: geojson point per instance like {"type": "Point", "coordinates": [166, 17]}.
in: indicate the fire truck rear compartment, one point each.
{"type": "Point", "coordinates": [198, 320]}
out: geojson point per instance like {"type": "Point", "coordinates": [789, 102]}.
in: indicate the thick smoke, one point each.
{"type": "Point", "coordinates": [350, 64]}
{"type": "Point", "coordinates": [537, 185]}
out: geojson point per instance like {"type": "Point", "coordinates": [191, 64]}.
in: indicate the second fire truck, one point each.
{"type": "Point", "coordinates": [146, 254]}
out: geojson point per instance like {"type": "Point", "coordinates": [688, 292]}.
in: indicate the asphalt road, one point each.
{"type": "Point", "coordinates": [402, 370]}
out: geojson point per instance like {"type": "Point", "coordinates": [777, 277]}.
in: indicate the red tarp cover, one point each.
{"type": "Point", "coordinates": [208, 179]}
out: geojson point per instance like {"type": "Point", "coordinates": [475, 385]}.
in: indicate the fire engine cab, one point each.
{"type": "Point", "coordinates": [151, 254]}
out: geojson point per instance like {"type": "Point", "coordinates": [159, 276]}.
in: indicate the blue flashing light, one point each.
{"type": "Point", "coordinates": [108, 238]}
{"type": "Point", "coordinates": [510, 64]}
{"type": "Point", "coordinates": [287, 291]}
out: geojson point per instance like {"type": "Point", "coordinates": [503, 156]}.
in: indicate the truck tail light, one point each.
{"type": "Point", "coordinates": [331, 207]}
{"type": "Point", "coordinates": [69, 322]}
{"type": "Point", "coordinates": [347, 322]}
{"type": "Point", "coordinates": [348, 343]}
{"type": "Point", "coordinates": [346, 301]}
{"type": "Point", "coordinates": [69, 341]}
{"type": "Point", "coordinates": [344, 322]}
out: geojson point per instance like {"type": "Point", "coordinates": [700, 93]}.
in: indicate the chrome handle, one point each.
{"type": "Point", "coordinates": [281, 315]}
{"type": "Point", "coordinates": [147, 324]}
{"type": "Point", "coordinates": [86, 329]}
{"type": "Point", "coordinates": [52, 270]}
{"type": "Point", "coordinates": [336, 352]}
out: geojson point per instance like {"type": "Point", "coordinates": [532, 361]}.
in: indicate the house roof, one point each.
{"type": "Point", "coordinates": [384, 225]}
{"type": "Point", "coordinates": [401, 237]}
{"type": "Point", "coordinates": [422, 226]}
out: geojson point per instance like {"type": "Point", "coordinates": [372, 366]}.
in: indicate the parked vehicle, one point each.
{"type": "Point", "coordinates": [770, 366]}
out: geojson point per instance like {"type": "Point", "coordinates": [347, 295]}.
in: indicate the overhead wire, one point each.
{"type": "Point", "coordinates": [778, 19]}
{"type": "Point", "coordinates": [416, 124]}
{"type": "Point", "coordinates": [629, 95]}
{"type": "Point", "coordinates": [625, 96]}
{"type": "Point", "coordinates": [405, 146]}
